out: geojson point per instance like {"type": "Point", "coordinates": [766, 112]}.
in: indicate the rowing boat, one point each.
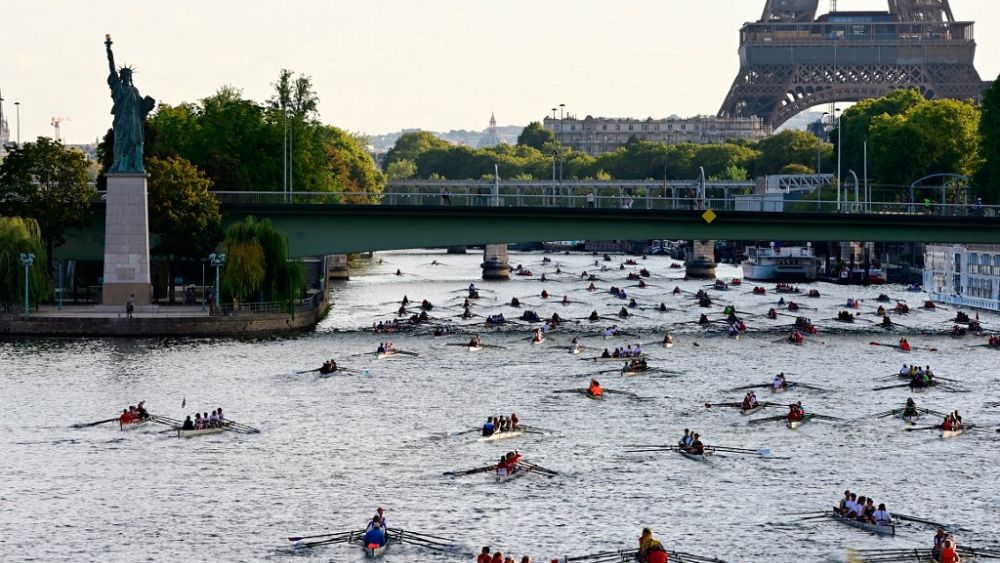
{"type": "Point", "coordinates": [537, 341]}
{"type": "Point", "coordinates": [618, 359]}
{"type": "Point", "coordinates": [693, 456]}
{"type": "Point", "coordinates": [910, 418]}
{"type": "Point", "coordinates": [628, 372]}
{"type": "Point", "coordinates": [779, 389]}
{"type": "Point", "coordinates": [501, 436]}
{"type": "Point", "coordinates": [476, 348]}
{"type": "Point", "coordinates": [946, 434]}
{"type": "Point", "coordinates": [794, 424]}
{"type": "Point", "coordinates": [882, 530]}
{"type": "Point", "coordinates": [594, 397]}
{"type": "Point", "coordinates": [748, 412]}
{"type": "Point", "coordinates": [181, 433]}
{"type": "Point", "coordinates": [384, 355]}
{"type": "Point", "coordinates": [134, 424]}
{"type": "Point", "coordinates": [517, 474]}
{"type": "Point", "coordinates": [374, 552]}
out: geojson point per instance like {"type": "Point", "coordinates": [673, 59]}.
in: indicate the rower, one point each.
{"type": "Point", "coordinates": [514, 302]}
{"type": "Point", "coordinates": [904, 345]}
{"type": "Point", "coordinates": [911, 408]}
{"type": "Point", "coordinates": [188, 424]}
{"type": "Point", "coordinates": [948, 552]}
{"type": "Point", "coordinates": [381, 349]}
{"type": "Point", "coordinates": [779, 381]}
{"type": "Point", "coordinates": [623, 313]}
{"type": "Point", "coordinates": [668, 339]}
{"type": "Point", "coordinates": [125, 418]}
{"type": "Point", "coordinates": [489, 428]}
{"type": "Point", "coordinates": [595, 390]}
{"type": "Point", "coordinates": [515, 422]}
{"type": "Point", "coordinates": [882, 516]}
{"type": "Point", "coordinates": [565, 300]}
{"type": "Point", "coordinates": [650, 549]}
{"type": "Point", "coordinates": [844, 506]}
{"type": "Point", "coordinates": [605, 354]}
{"type": "Point", "coordinates": [375, 537]}
{"type": "Point", "coordinates": [939, 539]}
{"type": "Point", "coordinates": [141, 410]}
{"type": "Point", "coordinates": [685, 441]}
{"type": "Point", "coordinates": [696, 447]}
{"type": "Point", "coordinates": [545, 294]}
{"type": "Point", "coordinates": [592, 287]}
{"type": "Point", "coordinates": [703, 320]}
{"type": "Point", "coordinates": [406, 300]}
{"type": "Point", "coordinates": [484, 556]}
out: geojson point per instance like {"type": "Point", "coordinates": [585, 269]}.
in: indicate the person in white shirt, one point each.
{"type": "Point", "coordinates": [882, 516]}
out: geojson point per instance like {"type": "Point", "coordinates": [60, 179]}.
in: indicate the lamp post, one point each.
{"type": "Point", "coordinates": [840, 148]}
{"type": "Point", "coordinates": [203, 285]}
{"type": "Point", "coordinates": [561, 125]}
{"type": "Point", "coordinates": [27, 259]}
{"type": "Point", "coordinates": [217, 260]}
{"type": "Point", "coordinates": [17, 106]}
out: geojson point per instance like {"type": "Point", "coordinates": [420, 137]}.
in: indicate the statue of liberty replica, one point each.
{"type": "Point", "coordinates": [130, 110]}
{"type": "Point", "coordinates": [126, 233]}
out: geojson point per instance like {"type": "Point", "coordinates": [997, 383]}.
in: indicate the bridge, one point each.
{"type": "Point", "coordinates": [322, 224]}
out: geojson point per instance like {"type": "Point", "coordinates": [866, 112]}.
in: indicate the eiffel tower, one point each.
{"type": "Point", "coordinates": [792, 60]}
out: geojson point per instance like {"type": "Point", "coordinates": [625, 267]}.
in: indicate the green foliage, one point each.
{"type": "Point", "coordinates": [535, 136]}
{"type": "Point", "coordinates": [790, 147]}
{"type": "Point", "coordinates": [938, 136]}
{"type": "Point", "coordinates": [988, 175]}
{"type": "Point", "coordinates": [257, 262]}
{"type": "Point", "coordinates": [182, 211]}
{"type": "Point", "coordinates": [795, 169]}
{"type": "Point", "coordinates": [47, 182]}
{"type": "Point", "coordinates": [401, 170]}
{"type": "Point", "coordinates": [857, 122]}
{"type": "Point", "coordinates": [409, 146]}
{"type": "Point", "coordinates": [239, 143]}
{"type": "Point", "coordinates": [19, 235]}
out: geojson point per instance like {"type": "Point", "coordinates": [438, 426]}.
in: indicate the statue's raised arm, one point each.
{"type": "Point", "coordinates": [111, 56]}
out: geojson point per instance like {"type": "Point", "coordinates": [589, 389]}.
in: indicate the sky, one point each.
{"type": "Point", "coordinates": [384, 65]}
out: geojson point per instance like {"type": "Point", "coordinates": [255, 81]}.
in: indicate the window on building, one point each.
{"type": "Point", "coordinates": [629, 127]}
{"type": "Point", "coordinates": [604, 127]}
{"type": "Point", "coordinates": [958, 263]}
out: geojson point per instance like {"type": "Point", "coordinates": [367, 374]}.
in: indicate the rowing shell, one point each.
{"type": "Point", "coordinates": [594, 397]}
{"type": "Point", "coordinates": [946, 434]}
{"type": "Point", "coordinates": [476, 348]}
{"type": "Point", "coordinates": [631, 372]}
{"type": "Point", "coordinates": [501, 436]}
{"type": "Point", "coordinates": [882, 530]}
{"type": "Point", "coordinates": [517, 474]}
{"type": "Point", "coordinates": [778, 389]}
{"type": "Point", "coordinates": [693, 456]}
{"type": "Point", "coordinates": [133, 425]}
{"type": "Point", "coordinates": [376, 551]}
{"type": "Point", "coordinates": [794, 424]}
{"type": "Point", "coordinates": [910, 418]}
{"type": "Point", "coordinates": [750, 411]}
{"type": "Point", "coordinates": [618, 359]}
{"type": "Point", "coordinates": [384, 355]}
{"type": "Point", "coordinates": [536, 342]}
{"type": "Point", "coordinates": [181, 433]}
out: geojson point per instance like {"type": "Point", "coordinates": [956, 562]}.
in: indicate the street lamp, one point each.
{"type": "Point", "coordinates": [18, 106]}
{"type": "Point", "coordinates": [27, 259]}
{"type": "Point", "coordinates": [217, 260]}
{"type": "Point", "coordinates": [840, 148]}
{"type": "Point", "coordinates": [561, 125]}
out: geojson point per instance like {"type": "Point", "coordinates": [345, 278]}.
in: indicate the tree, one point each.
{"type": "Point", "coordinates": [790, 147]}
{"type": "Point", "coordinates": [535, 135]}
{"type": "Point", "coordinates": [401, 170]}
{"type": "Point", "coordinates": [182, 211]}
{"type": "Point", "coordinates": [410, 146]}
{"type": "Point", "coordinates": [17, 236]}
{"type": "Point", "coordinates": [988, 176]}
{"type": "Point", "coordinates": [257, 262]}
{"type": "Point", "coordinates": [47, 182]}
{"type": "Point", "coordinates": [857, 121]}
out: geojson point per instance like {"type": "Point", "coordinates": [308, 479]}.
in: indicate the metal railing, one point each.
{"type": "Point", "coordinates": [270, 307]}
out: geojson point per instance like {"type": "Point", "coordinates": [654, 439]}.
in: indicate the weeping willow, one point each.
{"type": "Point", "coordinates": [17, 236]}
{"type": "Point", "coordinates": [257, 263]}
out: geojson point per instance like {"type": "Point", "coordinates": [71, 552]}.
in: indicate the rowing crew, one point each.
{"type": "Point", "coordinates": [953, 421]}
{"type": "Point", "coordinates": [650, 549]}
{"type": "Point", "coordinates": [386, 348]}
{"type": "Point", "coordinates": [636, 365]}
{"type": "Point", "coordinates": [329, 366]}
{"type": "Point", "coordinates": [627, 352]}
{"type": "Point", "coordinates": [215, 420]}
{"type": "Point", "coordinates": [595, 389]}
{"type": "Point", "coordinates": [374, 537]}
{"type": "Point", "coordinates": [508, 464]}
{"type": "Point", "coordinates": [993, 342]}
{"type": "Point", "coordinates": [863, 510]}
{"type": "Point", "coordinates": [538, 337]}
{"type": "Point", "coordinates": [796, 337]}
{"type": "Point", "coordinates": [750, 401]}
{"type": "Point", "coordinates": [796, 412]}
{"type": "Point", "coordinates": [498, 424]}
{"type": "Point", "coordinates": [919, 377]}
{"type": "Point", "coordinates": [387, 326]}
{"type": "Point", "coordinates": [779, 382]}
{"type": "Point", "coordinates": [476, 342]}
{"type": "Point", "coordinates": [498, 557]}
{"type": "Point", "coordinates": [133, 414]}
{"type": "Point", "coordinates": [944, 550]}
{"type": "Point", "coordinates": [911, 408]}
{"type": "Point", "coordinates": [691, 443]}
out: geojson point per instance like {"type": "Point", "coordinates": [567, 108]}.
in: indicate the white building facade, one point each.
{"type": "Point", "coordinates": [598, 135]}
{"type": "Point", "coordinates": [966, 275]}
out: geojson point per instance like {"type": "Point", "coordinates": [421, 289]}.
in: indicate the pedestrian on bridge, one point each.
{"type": "Point", "coordinates": [446, 197]}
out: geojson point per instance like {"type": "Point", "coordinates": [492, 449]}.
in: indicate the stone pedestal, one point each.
{"type": "Point", "coordinates": [700, 263]}
{"type": "Point", "coordinates": [495, 263]}
{"type": "Point", "coordinates": [126, 241]}
{"type": "Point", "coordinates": [338, 269]}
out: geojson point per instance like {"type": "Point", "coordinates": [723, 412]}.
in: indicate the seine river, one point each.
{"type": "Point", "coordinates": [332, 449]}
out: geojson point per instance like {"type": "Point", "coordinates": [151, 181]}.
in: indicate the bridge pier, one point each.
{"type": "Point", "coordinates": [495, 263]}
{"type": "Point", "coordinates": [457, 250]}
{"type": "Point", "coordinates": [337, 268]}
{"type": "Point", "coordinates": [700, 262]}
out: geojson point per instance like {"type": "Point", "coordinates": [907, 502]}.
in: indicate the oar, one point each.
{"type": "Point", "coordinates": [89, 424]}
{"type": "Point", "coordinates": [891, 387]}
{"type": "Point", "coordinates": [539, 468]}
{"type": "Point", "coordinates": [300, 538]}
{"type": "Point", "coordinates": [417, 534]}
{"type": "Point", "coordinates": [805, 386]}
{"type": "Point", "coordinates": [886, 414]}
{"type": "Point", "coordinates": [469, 471]}
{"type": "Point", "coordinates": [407, 353]}
{"type": "Point", "coordinates": [732, 405]}
{"type": "Point", "coordinates": [919, 520]}
{"type": "Point", "coordinates": [626, 393]}
{"type": "Point", "coordinates": [306, 371]}
{"type": "Point", "coordinates": [915, 428]}
{"type": "Point", "coordinates": [825, 417]}
{"type": "Point", "coordinates": [767, 419]}
{"type": "Point", "coordinates": [571, 391]}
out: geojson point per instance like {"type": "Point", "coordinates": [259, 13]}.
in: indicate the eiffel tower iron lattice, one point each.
{"type": "Point", "coordinates": [791, 61]}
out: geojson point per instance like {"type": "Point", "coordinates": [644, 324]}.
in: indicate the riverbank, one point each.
{"type": "Point", "coordinates": [268, 319]}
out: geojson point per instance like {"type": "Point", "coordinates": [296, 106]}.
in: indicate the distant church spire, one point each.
{"type": "Point", "coordinates": [491, 137]}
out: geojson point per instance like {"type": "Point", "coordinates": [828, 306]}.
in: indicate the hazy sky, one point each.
{"type": "Point", "coordinates": [382, 65]}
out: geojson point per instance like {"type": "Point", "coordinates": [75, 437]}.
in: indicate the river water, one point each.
{"type": "Point", "coordinates": [332, 449]}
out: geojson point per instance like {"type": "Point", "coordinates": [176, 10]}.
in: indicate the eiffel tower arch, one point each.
{"type": "Point", "coordinates": [791, 60]}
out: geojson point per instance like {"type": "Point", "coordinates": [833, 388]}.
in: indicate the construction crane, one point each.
{"type": "Point", "coordinates": [833, 6]}
{"type": "Point", "coordinates": [56, 121]}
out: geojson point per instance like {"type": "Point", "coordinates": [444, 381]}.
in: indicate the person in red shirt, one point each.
{"type": "Point", "coordinates": [948, 553]}
{"type": "Point", "coordinates": [485, 556]}
{"type": "Point", "coordinates": [125, 418]}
